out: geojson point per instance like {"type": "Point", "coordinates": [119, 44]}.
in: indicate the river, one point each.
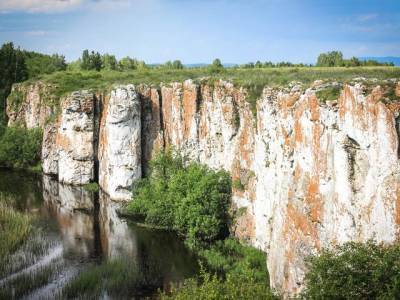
{"type": "Point", "coordinates": [76, 231]}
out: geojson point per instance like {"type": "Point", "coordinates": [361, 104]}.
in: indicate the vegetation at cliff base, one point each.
{"type": "Point", "coordinates": [354, 271]}
{"type": "Point", "coordinates": [230, 271]}
{"type": "Point", "coordinates": [192, 199]}
{"type": "Point", "coordinates": [20, 147]}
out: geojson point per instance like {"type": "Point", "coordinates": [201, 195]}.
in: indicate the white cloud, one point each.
{"type": "Point", "coordinates": [38, 5]}
{"type": "Point", "coordinates": [367, 17]}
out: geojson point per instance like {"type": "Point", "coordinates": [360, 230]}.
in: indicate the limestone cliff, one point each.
{"type": "Point", "coordinates": [309, 173]}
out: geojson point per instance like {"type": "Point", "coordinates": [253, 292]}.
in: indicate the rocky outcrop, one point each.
{"type": "Point", "coordinates": [120, 143]}
{"type": "Point", "coordinates": [75, 139]}
{"type": "Point", "coordinates": [27, 105]}
{"type": "Point", "coordinates": [309, 174]}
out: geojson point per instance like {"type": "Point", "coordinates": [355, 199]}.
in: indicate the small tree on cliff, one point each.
{"type": "Point", "coordinates": [216, 66]}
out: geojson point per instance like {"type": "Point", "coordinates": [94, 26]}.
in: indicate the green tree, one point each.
{"type": "Point", "coordinates": [330, 59]}
{"type": "Point", "coordinates": [95, 61]}
{"type": "Point", "coordinates": [217, 63]}
{"type": "Point", "coordinates": [192, 200]}
{"type": "Point", "coordinates": [177, 64]}
{"type": "Point", "coordinates": [85, 61]}
{"type": "Point", "coordinates": [109, 62]}
{"type": "Point", "coordinates": [12, 69]}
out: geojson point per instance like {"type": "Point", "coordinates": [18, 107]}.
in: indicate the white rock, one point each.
{"type": "Point", "coordinates": [120, 143]}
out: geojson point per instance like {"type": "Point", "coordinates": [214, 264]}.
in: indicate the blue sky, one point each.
{"type": "Point", "coordinates": [237, 31]}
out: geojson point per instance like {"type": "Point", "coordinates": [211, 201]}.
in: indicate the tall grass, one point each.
{"type": "Point", "coordinates": [14, 229]}
{"type": "Point", "coordinates": [119, 278]}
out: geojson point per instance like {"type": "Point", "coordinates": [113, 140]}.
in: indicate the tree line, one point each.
{"type": "Point", "coordinates": [335, 59]}
{"type": "Point", "coordinates": [17, 65]}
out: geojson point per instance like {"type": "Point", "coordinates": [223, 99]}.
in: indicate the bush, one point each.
{"type": "Point", "coordinates": [192, 200]}
{"type": "Point", "coordinates": [354, 271]}
{"type": "Point", "coordinates": [214, 288]}
{"type": "Point", "coordinates": [231, 271]}
{"type": "Point", "coordinates": [20, 147]}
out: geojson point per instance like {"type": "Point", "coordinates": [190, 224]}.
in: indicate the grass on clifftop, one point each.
{"type": "Point", "coordinates": [67, 81]}
{"type": "Point", "coordinates": [254, 80]}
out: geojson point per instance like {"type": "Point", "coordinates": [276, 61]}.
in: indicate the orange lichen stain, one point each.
{"type": "Point", "coordinates": [298, 131]}
{"type": "Point", "coordinates": [189, 109]}
{"type": "Point", "coordinates": [313, 199]}
{"type": "Point", "coordinates": [245, 227]}
{"type": "Point", "coordinates": [313, 103]}
{"type": "Point", "coordinates": [167, 114]}
{"type": "Point", "coordinates": [300, 224]}
{"type": "Point", "coordinates": [346, 99]}
{"type": "Point", "coordinates": [397, 90]}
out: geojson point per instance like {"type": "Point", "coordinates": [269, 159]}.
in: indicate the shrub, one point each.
{"type": "Point", "coordinates": [354, 271]}
{"type": "Point", "coordinates": [192, 200]}
{"type": "Point", "coordinates": [92, 187]}
{"type": "Point", "coordinates": [20, 147]}
{"type": "Point", "coordinates": [330, 93]}
{"type": "Point", "coordinates": [213, 288]}
{"type": "Point", "coordinates": [231, 271]}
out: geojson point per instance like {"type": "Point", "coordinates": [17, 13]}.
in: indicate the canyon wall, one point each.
{"type": "Point", "coordinates": [308, 174]}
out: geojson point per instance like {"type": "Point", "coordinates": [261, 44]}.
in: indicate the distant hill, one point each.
{"type": "Point", "coordinates": [383, 59]}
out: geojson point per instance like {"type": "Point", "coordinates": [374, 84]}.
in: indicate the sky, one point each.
{"type": "Point", "coordinates": [197, 31]}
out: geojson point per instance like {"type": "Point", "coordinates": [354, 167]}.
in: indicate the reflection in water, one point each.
{"type": "Point", "coordinates": [86, 227]}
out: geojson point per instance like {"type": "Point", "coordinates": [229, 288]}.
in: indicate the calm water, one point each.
{"type": "Point", "coordinates": [76, 230]}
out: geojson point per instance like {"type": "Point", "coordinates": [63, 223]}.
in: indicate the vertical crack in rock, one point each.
{"type": "Point", "coordinates": [357, 163]}
{"type": "Point", "coordinates": [397, 124]}
{"type": "Point", "coordinates": [98, 101]}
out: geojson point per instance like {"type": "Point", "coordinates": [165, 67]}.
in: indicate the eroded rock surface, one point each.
{"type": "Point", "coordinates": [27, 105]}
{"type": "Point", "coordinates": [309, 174]}
{"type": "Point", "coordinates": [75, 139]}
{"type": "Point", "coordinates": [120, 143]}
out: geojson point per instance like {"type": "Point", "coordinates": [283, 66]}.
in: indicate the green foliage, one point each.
{"type": "Point", "coordinates": [174, 65]}
{"type": "Point", "coordinates": [20, 147]}
{"type": "Point", "coordinates": [231, 271]}
{"type": "Point", "coordinates": [354, 271]}
{"type": "Point", "coordinates": [15, 99]}
{"type": "Point", "coordinates": [335, 59]}
{"type": "Point", "coordinates": [216, 67]}
{"type": "Point", "coordinates": [330, 59]}
{"type": "Point", "coordinates": [192, 200]}
{"type": "Point", "coordinates": [128, 64]}
{"type": "Point", "coordinates": [229, 257]}
{"type": "Point", "coordinates": [92, 187]}
{"type": "Point", "coordinates": [12, 69]}
{"type": "Point", "coordinates": [14, 228]}
{"type": "Point", "coordinates": [92, 61]}
{"type": "Point", "coordinates": [238, 185]}
{"type": "Point", "coordinates": [38, 63]}
{"type": "Point", "coordinates": [213, 288]}
{"type": "Point", "coordinates": [109, 62]}
{"type": "Point", "coordinates": [119, 278]}
{"type": "Point", "coordinates": [330, 93]}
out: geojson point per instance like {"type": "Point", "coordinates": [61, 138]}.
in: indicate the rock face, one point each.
{"type": "Point", "coordinates": [120, 143]}
{"type": "Point", "coordinates": [26, 105]}
{"type": "Point", "coordinates": [314, 174]}
{"type": "Point", "coordinates": [75, 139]}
